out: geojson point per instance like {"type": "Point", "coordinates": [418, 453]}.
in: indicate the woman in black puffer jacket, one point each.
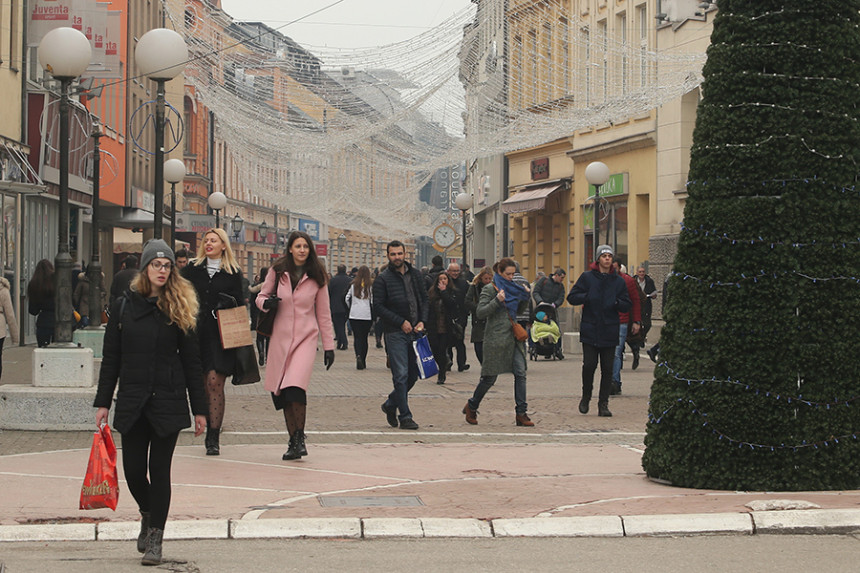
{"type": "Point", "coordinates": [150, 347]}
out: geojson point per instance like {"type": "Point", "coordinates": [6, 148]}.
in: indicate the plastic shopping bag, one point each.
{"type": "Point", "coordinates": [101, 487]}
{"type": "Point", "coordinates": [427, 367]}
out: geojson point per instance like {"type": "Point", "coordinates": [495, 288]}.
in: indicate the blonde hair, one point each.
{"type": "Point", "coordinates": [228, 259]}
{"type": "Point", "coordinates": [178, 300]}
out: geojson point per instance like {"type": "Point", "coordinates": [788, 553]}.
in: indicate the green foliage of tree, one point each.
{"type": "Point", "coordinates": [758, 382]}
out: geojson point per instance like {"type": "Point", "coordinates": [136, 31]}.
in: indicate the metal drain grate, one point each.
{"type": "Point", "coordinates": [370, 501]}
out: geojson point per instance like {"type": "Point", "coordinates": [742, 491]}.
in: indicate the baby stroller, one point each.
{"type": "Point", "coordinates": [545, 333]}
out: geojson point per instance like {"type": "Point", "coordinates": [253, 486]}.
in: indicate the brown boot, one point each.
{"type": "Point", "coordinates": [524, 420]}
{"type": "Point", "coordinates": [471, 415]}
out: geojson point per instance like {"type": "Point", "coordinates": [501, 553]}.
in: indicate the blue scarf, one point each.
{"type": "Point", "coordinates": [514, 293]}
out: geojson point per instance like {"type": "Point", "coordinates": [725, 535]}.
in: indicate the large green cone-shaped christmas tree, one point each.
{"type": "Point", "coordinates": [758, 380]}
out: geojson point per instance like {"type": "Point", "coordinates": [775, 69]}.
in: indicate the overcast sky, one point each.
{"type": "Point", "coordinates": [349, 23]}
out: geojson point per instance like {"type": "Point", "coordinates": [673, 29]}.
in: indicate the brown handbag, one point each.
{"type": "Point", "coordinates": [520, 333]}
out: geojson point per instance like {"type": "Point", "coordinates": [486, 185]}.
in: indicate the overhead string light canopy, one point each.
{"type": "Point", "coordinates": [351, 136]}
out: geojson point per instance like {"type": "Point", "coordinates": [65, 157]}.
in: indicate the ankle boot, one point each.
{"type": "Point", "coordinates": [292, 451]}
{"type": "Point", "coordinates": [153, 547]}
{"type": "Point", "coordinates": [213, 447]}
{"type": "Point", "coordinates": [524, 420]}
{"type": "Point", "coordinates": [583, 405]}
{"type": "Point", "coordinates": [603, 410]}
{"type": "Point", "coordinates": [144, 531]}
{"type": "Point", "coordinates": [301, 448]}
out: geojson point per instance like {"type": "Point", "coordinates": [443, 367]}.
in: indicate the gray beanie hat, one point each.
{"type": "Point", "coordinates": [603, 249]}
{"type": "Point", "coordinates": [156, 249]}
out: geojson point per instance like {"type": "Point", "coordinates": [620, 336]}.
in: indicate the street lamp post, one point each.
{"type": "Point", "coordinates": [174, 172]}
{"type": "Point", "coordinates": [160, 55]}
{"type": "Point", "coordinates": [65, 53]}
{"type": "Point", "coordinates": [463, 202]}
{"type": "Point", "coordinates": [236, 226]}
{"type": "Point", "coordinates": [263, 230]}
{"type": "Point", "coordinates": [341, 247]}
{"type": "Point", "coordinates": [217, 201]}
{"type": "Point", "coordinates": [95, 269]}
{"type": "Point", "coordinates": [596, 173]}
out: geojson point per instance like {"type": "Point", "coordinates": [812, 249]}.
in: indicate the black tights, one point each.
{"type": "Point", "coordinates": [294, 416]}
{"type": "Point", "coordinates": [141, 446]}
{"type": "Point", "coordinates": [215, 392]}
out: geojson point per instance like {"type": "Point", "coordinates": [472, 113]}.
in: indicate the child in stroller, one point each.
{"type": "Point", "coordinates": [545, 333]}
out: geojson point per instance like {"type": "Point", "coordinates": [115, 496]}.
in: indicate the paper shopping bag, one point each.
{"type": "Point", "coordinates": [235, 327]}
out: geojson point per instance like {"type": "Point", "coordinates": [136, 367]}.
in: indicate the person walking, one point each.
{"type": "Point", "coordinates": [217, 278]}
{"type": "Point", "coordinates": [473, 296]}
{"type": "Point", "coordinates": [647, 292]}
{"type": "Point", "coordinates": [500, 302]}
{"type": "Point", "coordinates": [459, 317]}
{"type": "Point", "coordinates": [8, 324]}
{"type": "Point", "coordinates": [150, 348]}
{"type": "Point", "coordinates": [261, 339]}
{"type": "Point", "coordinates": [359, 300]}
{"type": "Point", "coordinates": [297, 288]}
{"type": "Point", "coordinates": [400, 300]}
{"type": "Point", "coordinates": [629, 324]}
{"type": "Point", "coordinates": [442, 309]}
{"type": "Point", "coordinates": [337, 289]}
{"type": "Point", "coordinates": [602, 294]}
{"type": "Point", "coordinates": [40, 302]}
{"type": "Point", "coordinates": [122, 279]}
{"type": "Point", "coordinates": [81, 300]}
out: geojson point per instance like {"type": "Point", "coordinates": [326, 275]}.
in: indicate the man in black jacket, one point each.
{"type": "Point", "coordinates": [400, 302]}
{"type": "Point", "coordinates": [460, 319]}
{"type": "Point", "coordinates": [338, 286]}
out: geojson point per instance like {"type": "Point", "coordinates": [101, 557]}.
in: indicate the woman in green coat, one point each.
{"type": "Point", "coordinates": [499, 303]}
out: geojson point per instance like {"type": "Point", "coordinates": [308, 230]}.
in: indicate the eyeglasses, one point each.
{"type": "Point", "coordinates": [156, 266]}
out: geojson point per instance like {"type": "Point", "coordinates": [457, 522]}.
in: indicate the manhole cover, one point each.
{"type": "Point", "coordinates": [370, 501]}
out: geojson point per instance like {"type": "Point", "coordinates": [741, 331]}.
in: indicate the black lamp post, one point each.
{"type": "Point", "coordinates": [596, 173]}
{"type": "Point", "coordinates": [341, 248]}
{"type": "Point", "coordinates": [236, 225]}
{"type": "Point", "coordinates": [95, 269]}
{"type": "Point", "coordinates": [174, 172]}
{"type": "Point", "coordinates": [160, 55]}
{"type": "Point", "coordinates": [65, 53]}
{"type": "Point", "coordinates": [263, 230]}
{"type": "Point", "coordinates": [463, 202]}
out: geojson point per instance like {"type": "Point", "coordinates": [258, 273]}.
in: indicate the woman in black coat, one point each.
{"type": "Point", "coordinates": [40, 301]}
{"type": "Point", "coordinates": [217, 279]}
{"type": "Point", "coordinates": [150, 347]}
{"type": "Point", "coordinates": [440, 322]}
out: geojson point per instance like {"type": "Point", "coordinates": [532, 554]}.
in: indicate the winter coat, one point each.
{"type": "Point", "coordinates": [389, 297]}
{"type": "Point", "coordinates": [549, 291]}
{"type": "Point", "coordinates": [650, 291]}
{"type": "Point", "coordinates": [338, 286]}
{"type": "Point", "coordinates": [478, 324]}
{"type": "Point", "coordinates": [303, 315]}
{"type": "Point", "coordinates": [8, 324]}
{"type": "Point", "coordinates": [499, 341]}
{"type": "Point", "coordinates": [81, 297]}
{"type": "Point", "coordinates": [359, 308]}
{"type": "Point", "coordinates": [209, 291]}
{"type": "Point", "coordinates": [460, 313]}
{"type": "Point", "coordinates": [157, 365]}
{"type": "Point", "coordinates": [121, 280]}
{"type": "Point", "coordinates": [602, 296]}
{"type": "Point", "coordinates": [442, 311]}
{"type": "Point", "coordinates": [635, 311]}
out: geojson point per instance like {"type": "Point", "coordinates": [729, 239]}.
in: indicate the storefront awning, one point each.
{"type": "Point", "coordinates": [530, 199]}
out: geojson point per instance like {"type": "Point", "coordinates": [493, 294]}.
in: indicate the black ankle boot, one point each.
{"type": "Point", "coordinates": [292, 451]}
{"type": "Point", "coordinates": [213, 446]}
{"type": "Point", "coordinates": [144, 531]}
{"type": "Point", "coordinates": [153, 547]}
{"type": "Point", "coordinates": [603, 410]}
{"type": "Point", "coordinates": [301, 448]}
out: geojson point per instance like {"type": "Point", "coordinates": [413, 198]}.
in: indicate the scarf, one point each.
{"type": "Point", "coordinates": [514, 293]}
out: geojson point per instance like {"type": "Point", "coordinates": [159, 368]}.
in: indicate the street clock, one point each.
{"type": "Point", "coordinates": [445, 235]}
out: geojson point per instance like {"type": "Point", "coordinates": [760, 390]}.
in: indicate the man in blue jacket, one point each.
{"type": "Point", "coordinates": [400, 302]}
{"type": "Point", "coordinates": [602, 294]}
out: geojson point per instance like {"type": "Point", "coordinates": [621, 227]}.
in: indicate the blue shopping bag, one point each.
{"type": "Point", "coordinates": [427, 367]}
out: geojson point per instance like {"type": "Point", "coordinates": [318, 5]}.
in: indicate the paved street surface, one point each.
{"type": "Point", "coordinates": [364, 479]}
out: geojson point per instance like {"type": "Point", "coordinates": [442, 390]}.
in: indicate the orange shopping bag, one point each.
{"type": "Point", "coordinates": [101, 487]}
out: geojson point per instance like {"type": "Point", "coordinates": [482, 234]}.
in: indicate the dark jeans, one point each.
{"type": "Point", "coordinates": [479, 351]}
{"type": "Point", "coordinates": [141, 445]}
{"type": "Point", "coordinates": [404, 371]}
{"type": "Point", "coordinates": [590, 356]}
{"type": "Point", "coordinates": [360, 330]}
{"type": "Point", "coordinates": [439, 345]}
{"type": "Point", "coordinates": [338, 320]}
{"type": "Point", "coordinates": [486, 382]}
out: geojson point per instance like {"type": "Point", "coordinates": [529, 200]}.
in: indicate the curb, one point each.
{"type": "Point", "coordinates": [818, 522]}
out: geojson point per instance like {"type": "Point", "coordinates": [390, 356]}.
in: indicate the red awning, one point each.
{"type": "Point", "coordinates": [530, 200]}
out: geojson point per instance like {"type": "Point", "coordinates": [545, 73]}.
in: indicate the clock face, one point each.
{"type": "Point", "coordinates": [445, 235]}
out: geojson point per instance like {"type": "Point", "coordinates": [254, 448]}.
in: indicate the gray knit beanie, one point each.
{"type": "Point", "coordinates": [156, 249]}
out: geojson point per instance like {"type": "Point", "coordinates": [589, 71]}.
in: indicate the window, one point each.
{"type": "Point", "coordinates": [621, 23]}
{"type": "Point", "coordinates": [533, 57]}
{"type": "Point", "coordinates": [642, 16]}
{"type": "Point", "coordinates": [518, 65]}
{"type": "Point", "coordinates": [565, 54]}
{"type": "Point", "coordinates": [550, 64]}
{"type": "Point", "coordinates": [603, 39]}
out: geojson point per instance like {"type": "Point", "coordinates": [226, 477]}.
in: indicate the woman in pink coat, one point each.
{"type": "Point", "coordinates": [296, 288]}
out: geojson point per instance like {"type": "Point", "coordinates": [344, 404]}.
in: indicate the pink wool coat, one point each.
{"type": "Point", "coordinates": [303, 314]}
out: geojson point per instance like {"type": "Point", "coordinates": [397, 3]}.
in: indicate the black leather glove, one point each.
{"type": "Point", "coordinates": [328, 359]}
{"type": "Point", "coordinates": [271, 302]}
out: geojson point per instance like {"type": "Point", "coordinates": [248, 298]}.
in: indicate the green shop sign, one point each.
{"type": "Point", "coordinates": [616, 185]}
